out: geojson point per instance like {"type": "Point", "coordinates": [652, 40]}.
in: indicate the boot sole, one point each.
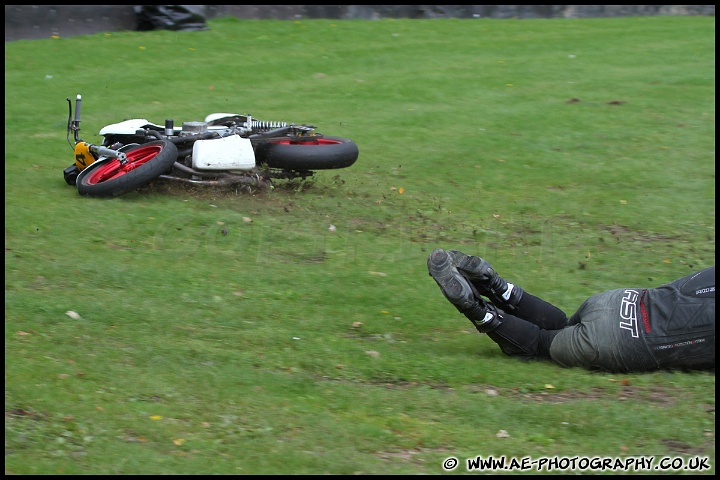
{"type": "Point", "coordinates": [481, 272]}
{"type": "Point", "coordinates": [453, 285]}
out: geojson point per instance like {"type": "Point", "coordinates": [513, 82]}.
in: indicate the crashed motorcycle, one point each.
{"type": "Point", "coordinates": [223, 150]}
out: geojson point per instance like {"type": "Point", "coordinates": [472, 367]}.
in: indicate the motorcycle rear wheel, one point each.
{"type": "Point", "coordinates": [110, 178]}
{"type": "Point", "coordinates": [306, 153]}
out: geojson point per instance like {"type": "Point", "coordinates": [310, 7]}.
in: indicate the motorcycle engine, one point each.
{"type": "Point", "coordinates": [192, 128]}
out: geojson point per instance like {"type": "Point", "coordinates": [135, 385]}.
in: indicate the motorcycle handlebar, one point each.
{"type": "Point", "coordinates": [78, 103]}
{"type": "Point", "coordinates": [74, 122]}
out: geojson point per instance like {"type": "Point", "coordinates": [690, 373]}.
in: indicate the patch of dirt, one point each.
{"type": "Point", "coordinates": [657, 396]}
{"type": "Point", "coordinates": [409, 453]}
{"type": "Point", "coordinates": [166, 187]}
{"type": "Point", "coordinates": [660, 396]}
{"type": "Point", "coordinates": [621, 232]}
{"type": "Point", "coordinates": [21, 413]}
{"type": "Point", "coordinates": [682, 448]}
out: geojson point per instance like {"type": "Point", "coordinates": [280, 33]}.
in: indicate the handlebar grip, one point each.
{"type": "Point", "coordinates": [78, 103]}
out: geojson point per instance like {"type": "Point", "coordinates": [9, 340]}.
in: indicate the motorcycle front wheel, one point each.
{"type": "Point", "coordinates": [306, 153]}
{"type": "Point", "coordinates": [111, 178]}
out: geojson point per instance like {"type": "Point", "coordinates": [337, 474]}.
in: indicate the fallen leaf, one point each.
{"type": "Point", "coordinates": [155, 417]}
{"type": "Point", "coordinates": [179, 441]}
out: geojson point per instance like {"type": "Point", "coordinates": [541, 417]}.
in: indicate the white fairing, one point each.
{"type": "Point", "coordinates": [214, 116]}
{"type": "Point", "coordinates": [128, 127]}
{"type": "Point", "coordinates": [227, 153]}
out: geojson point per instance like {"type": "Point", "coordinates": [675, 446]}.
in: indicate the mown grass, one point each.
{"type": "Point", "coordinates": [575, 155]}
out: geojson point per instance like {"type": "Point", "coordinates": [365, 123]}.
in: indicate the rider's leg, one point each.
{"type": "Point", "coordinates": [506, 295]}
{"type": "Point", "coordinates": [514, 335]}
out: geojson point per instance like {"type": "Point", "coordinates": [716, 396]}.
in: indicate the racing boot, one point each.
{"type": "Point", "coordinates": [458, 290]}
{"type": "Point", "coordinates": [487, 282]}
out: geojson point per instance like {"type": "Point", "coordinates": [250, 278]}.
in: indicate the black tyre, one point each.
{"type": "Point", "coordinates": [110, 178]}
{"type": "Point", "coordinates": [306, 153]}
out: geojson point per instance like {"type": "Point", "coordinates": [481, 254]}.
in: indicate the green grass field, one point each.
{"type": "Point", "coordinates": [575, 155]}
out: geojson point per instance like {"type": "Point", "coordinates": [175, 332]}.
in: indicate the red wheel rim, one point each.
{"type": "Point", "coordinates": [114, 169]}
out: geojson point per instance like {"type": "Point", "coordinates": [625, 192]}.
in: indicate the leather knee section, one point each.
{"type": "Point", "coordinates": [516, 336]}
